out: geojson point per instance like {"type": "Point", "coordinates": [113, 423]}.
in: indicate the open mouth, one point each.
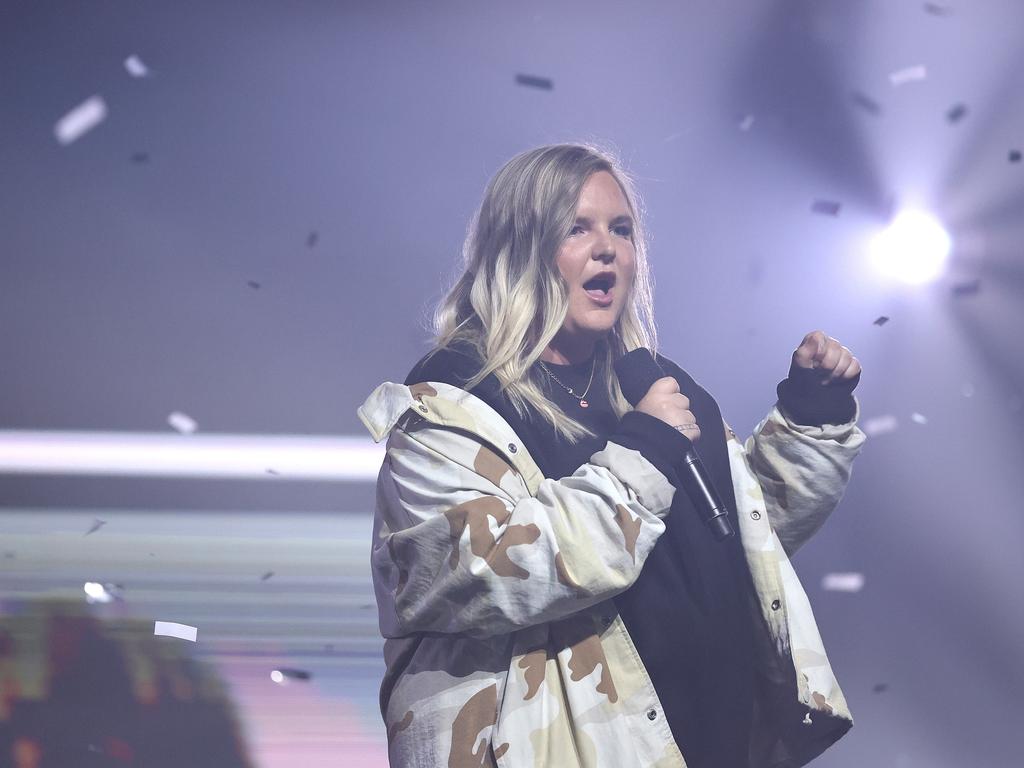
{"type": "Point", "coordinates": [599, 288]}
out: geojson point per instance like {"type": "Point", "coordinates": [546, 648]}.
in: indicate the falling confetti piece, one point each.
{"type": "Point", "coordinates": [532, 81]}
{"type": "Point", "coordinates": [880, 688]}
{"type": "Point", "coordinates": [313, 239]}
{"type": "Point", "coordinates": [968, 288]}
{"type": "Point", "coordinates": [253, 284]}
{"type": "Point", "coordinates": [956, 113]}
{"type": "Point", "coordinates": [938, 9]}
{"type": "Point", "coordinates": [80, 120]}
{"type": "Point", "coordinates": [866, 103]}
{"type": "Point", "coordinates": [294, 674]}
{"type": "Point", "coordinates": [746, 123]}
{"type": "Point", "coordinates": [826, 207]}
{"type": "Point", "coordinates": [918, 418]}
{"type": "Point", "coordinates": [843, 582]}
{"type": "Point", "coordinates": [135, 66]}
{"type": "Point", "coordinates": [908, 75]}
{"type": "Point", "coordinates": [367, 606]}
{"type": "Point", "coordinates": [266, 575]}
{"type": "Point", "coordinates": [182, 422]}
{"type": "Point", "coordinates": [273, 472]}
{"type": "Point", "coordinates": [967, 390]}
{"type": "Point", "coordinates": [139, 158]}
{"type": "Point", "coordinates": [880, 425]}
{"type": "Point", "coordinates": [1015, 156]}
{"type": "Point", "coordinates": [9, 555]}
{"type": "Point", "coordinates": [881, 320]}
{"type": "Point", "coordinates": [96, 525]}
{"type": "Point", "coordinates": [173, 629]}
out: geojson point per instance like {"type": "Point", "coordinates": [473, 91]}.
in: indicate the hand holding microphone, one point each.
{"type": "Point", "coordinates": [648, 389]}
{"type": "Point", "coordinates": [664, 401]}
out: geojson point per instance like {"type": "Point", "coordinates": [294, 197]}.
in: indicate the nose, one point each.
{"type": "Point", "coordinates": [604, 248]}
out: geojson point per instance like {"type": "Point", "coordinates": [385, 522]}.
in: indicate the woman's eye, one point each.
{"type": "Point", "coordinates": [576, 229]}
{"type": "Point", "coordinates": [624, 230]}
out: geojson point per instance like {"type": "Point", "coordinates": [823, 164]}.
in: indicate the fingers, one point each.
{"type": "Point", "coordinates": [811, 350]}
{"type": "Point", "coordinates": [821, 351]}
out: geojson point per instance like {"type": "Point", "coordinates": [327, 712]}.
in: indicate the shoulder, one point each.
{"type": "Point", "coordinates": [455, 365]}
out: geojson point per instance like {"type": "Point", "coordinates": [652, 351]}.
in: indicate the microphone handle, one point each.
{"type": "Point", "coordinates": [714, 512]}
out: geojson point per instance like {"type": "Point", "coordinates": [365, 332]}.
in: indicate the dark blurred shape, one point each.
{"type": "Point", "coordinates": [968, 288]}
{"type": "Point", "coordinates": [140, 158]}
{"type": "Point", "coordinates": [880, 688]}
{"type": "Point", "coordinates": [111, 696]}
{"type": "Point", "coordinates": [266, 575]}
{"type": "Point", "coordinates": [295, 674]}
{"type": "Point", "coordinates": [532, 81]}
{"type": "Point", "coordinates": [938, 9]}
{"type": "Point", "coordinates": [866, 103]}
{"type": "Point", "coordinates": [1015, 156]}
{"type": "Point", "coordinates": [313, 239]}
{"type": "Point", "coordinates": [253, 284]}
{"type": "Point", "coordinates": [826, 207]}
{"type": "Point", "coordinates": [881, 320]}
{"type": "Point", "coordinates": [956, 113]}
{"type": "Point", "coordinates": [96, 525]}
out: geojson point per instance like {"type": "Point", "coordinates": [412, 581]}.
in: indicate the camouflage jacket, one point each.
{"type": "Point", "coordinates": [494, 587]}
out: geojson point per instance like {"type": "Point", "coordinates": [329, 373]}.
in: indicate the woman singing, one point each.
{"type": "Point", "coordinates": [547, 597]}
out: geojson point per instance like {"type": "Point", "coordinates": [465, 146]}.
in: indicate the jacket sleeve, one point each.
{"type": "Point", "coordinates": [803, 471]}
{"type": "Point", "coordinates": [460, 544]}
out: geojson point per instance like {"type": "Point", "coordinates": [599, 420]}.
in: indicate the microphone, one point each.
{"type": "Point", "coordinates": [637, 371]}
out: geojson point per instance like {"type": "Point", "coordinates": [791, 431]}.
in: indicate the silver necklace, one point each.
{"type": "Point", "coordinates": [581, 398]}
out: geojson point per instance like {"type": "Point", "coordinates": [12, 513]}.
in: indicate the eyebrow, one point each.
{"type": "Point", "coordinates": [620, 219]}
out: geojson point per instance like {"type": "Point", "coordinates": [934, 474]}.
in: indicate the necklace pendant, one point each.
{"type": "Point", "coordinates": [584, 403]}
{"type": "Point", "coordinates": [570, 391]}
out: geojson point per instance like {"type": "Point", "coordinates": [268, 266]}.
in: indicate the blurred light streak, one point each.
{"type": "Point", "coordinates": [281, 457]}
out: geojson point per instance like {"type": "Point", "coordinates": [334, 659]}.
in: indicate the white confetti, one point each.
{"type": "Point", "coordinates": [918, 418]}
{"type": "Point", "coordinates": [80, 120]}
{"type": "Point", "coordinates": [843, 582]}
{"type": "Point", "coordinates": [908, 75]}
{"type": "Point", "coordinates": [746, 122]}
{"type": "Point", "coordinates": [173, 629]}
{"type": "Point", "coordinates": [182, 422]}
{"type": "Point", "coordinates": [135, 66]}
{"type": "Point", "coordinates": [96, 592]}
{"type": "Point", "coordinates": [880, 425]}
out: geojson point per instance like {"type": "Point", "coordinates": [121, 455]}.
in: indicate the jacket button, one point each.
{"type": "Point", "coordinates": [423, 408]}
{"type": "Point", "coordinates": [512, 447]}
{"type": "Point", "coordinates": [756, 515]}
{"type": "Point", "coordinates": [652, 714]}
{"type": "Point", "coordinates": [776, 605]}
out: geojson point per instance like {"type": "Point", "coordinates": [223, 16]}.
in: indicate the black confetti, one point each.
{"type": "Point", "coordinates": [866, 103]}
{"type": "Point", "coordinates": [880, 688]}
{"type": "Point", "coordinates": [826, 207]}
{"type": "Point", "coordinates": [313, 239]}
{"type": "Point", "coordinates": [266, 575]}
{"type": "Point", "coordinates": [938, 9]}
{"type": "Point", "coordinates": [956, 113]}
{"type": "Point", "coordinates": [532, 81]}
{"type": "Point", "coordinates": [1015, 156]}
{"type": "Point", "coordinates": [968, 288]}
{"type": "Point", "coordinates": [96, 525]}
{"type": "Point", "coordinates": [140, 158]}
{"type": "Point", "coordinates": [273, 472]}
{"type": "Point", "coordinates": [295, 674]}
{"type": "Point", "coordinates": [253, 284]}
{"type": "Point", "coordinates": [881, 320]}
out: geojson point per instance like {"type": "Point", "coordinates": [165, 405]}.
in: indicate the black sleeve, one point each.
{"type": "Point", "coordinates": [806, 401]}
{"type": "Point", "coordinates": [656, 441]}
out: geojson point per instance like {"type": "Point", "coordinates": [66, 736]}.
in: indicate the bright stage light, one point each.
{"type": "Point", "coordinates": [913, 248]}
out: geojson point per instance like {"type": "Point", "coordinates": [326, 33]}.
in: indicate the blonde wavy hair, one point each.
{"type": "Point", "coordinates": [510, 299]}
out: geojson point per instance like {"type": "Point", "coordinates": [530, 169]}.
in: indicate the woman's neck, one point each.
{"type": "Point", "coordinates": [566, 352]}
